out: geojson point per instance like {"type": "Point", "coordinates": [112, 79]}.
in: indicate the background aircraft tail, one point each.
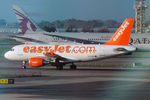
{"type": "Point", "coordinates": [24, 21]}
{"type": "Point", "coordinates": [122, 35]}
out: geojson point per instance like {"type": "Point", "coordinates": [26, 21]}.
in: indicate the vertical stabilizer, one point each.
{"type": "Point", "coordinates": [122, 35]}
{"type": "Point", "coordinates": [24, 21]}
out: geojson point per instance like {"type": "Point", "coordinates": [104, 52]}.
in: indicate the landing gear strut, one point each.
{"type": "Point", "coordinates": [24, 64]}
{"type": "Point", "coordinates": [58, 65]}
{"type": "Point", "coordinates": [73, 66]}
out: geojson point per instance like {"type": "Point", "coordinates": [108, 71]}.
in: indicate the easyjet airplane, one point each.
{"type": "Point", "coordinates": [59, 55]}
{"type": "Point", "coordinates": [31, 33]}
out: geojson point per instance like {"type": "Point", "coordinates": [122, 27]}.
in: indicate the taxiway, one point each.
{"type": "Point", "coordinates": [85, 83]}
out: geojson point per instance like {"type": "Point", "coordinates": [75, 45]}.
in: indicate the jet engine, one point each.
{"type": "Point", "coordinates": [37, 62]}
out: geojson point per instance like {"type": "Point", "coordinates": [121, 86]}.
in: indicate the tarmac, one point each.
{"type": "Point", "coordinates": [85, 83]}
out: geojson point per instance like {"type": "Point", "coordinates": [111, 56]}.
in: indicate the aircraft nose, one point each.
{"type": "Point", "coordinates": [7, 55]}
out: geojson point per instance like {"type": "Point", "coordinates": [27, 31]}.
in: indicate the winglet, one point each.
{"type": "Point", "coordinates": [122, 35]}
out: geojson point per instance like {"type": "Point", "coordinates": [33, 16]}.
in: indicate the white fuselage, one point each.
{"type": "Point", "coordinates": [69, 52]}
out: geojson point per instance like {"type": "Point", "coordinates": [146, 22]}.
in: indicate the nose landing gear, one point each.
{"type": "Point", "coordinates": [24, 64]}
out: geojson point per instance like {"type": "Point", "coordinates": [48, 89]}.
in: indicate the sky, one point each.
{"type": "Point", "coordinates": [52, 10]}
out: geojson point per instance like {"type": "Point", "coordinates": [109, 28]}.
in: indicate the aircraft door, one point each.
{"type": "Point", "coordinates": [101, 51]}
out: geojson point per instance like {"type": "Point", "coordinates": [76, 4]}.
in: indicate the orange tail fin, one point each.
{"type": "Point", "coordinates": [122, 35]}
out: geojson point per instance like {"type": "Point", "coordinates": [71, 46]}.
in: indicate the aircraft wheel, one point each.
{"type": "Point", "coordinates": [59, 67]}
{"type": "Point", "coordinates": [24, 67]}
{"type": "Point", "coordinates": [24, 64]}
{"type": "Point", "coordinates": [73, 67]}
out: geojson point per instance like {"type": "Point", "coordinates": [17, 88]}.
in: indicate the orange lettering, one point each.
{"type": "Point", "coordinates": [33, 49]}
{"type": "Point", "coordinates": [90, 49]}
{"type": "Point", "coordinates": [26, 49]}
{"type": "Point", "coordinates": [46, 48]}
{"type": "Point", "coordinates": [61, 49]}
{"type": "Point", "coordinates": [40, 49]}
{"type": "Point", "coordinates": [75, 51]}
{"type": "Point", "coordinates": [67, 49]}
{"type": "Point", "coordinates": [56, 47]}
{"type": "Point", "coordinates": [82, 49]}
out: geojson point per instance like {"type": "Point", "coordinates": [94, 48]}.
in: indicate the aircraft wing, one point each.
{"type": "Point", "coordinates": [25, 39]}
{"type": "Point", "coordinates": [78, 40]}
{"type": "Point", "coordinates": [52, 55]}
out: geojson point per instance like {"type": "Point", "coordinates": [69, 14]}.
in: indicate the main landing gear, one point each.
{"type": "Point", "coordinates": [24, 64]}
{"type": "Point", "coordinates": [73, 66]}
{"type": "Point", "coordinates": [59, 66]}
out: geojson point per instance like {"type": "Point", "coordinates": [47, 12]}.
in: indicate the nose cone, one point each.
{"type": "Point", "coordinates": [10, 55]}
{"type": "Point", "coordinates": [7, 55]}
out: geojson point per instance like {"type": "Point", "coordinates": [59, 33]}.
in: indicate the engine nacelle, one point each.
{"type": "Point", "coordinates": [36, 62]}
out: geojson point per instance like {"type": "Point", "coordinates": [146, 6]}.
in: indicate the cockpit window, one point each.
{"type": "Point", "coordinates": [12, 49]}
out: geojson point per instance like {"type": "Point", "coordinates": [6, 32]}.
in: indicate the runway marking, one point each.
{"type": "Point", "coordinates": [6, 81]}
{"type": "Point", "coordinates": [80, 80]}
